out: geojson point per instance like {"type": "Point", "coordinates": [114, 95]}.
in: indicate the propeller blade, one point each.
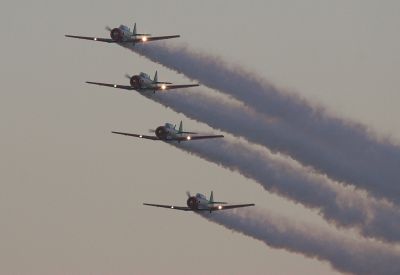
{"type": "Point", "coordinates": [108, 28]}
{"type": "Point", "coordinates": [127, 76]}
{"type": "Point", "coordinates": [188, 194]}
{"type": "Point", "coordinates": [152, 131]}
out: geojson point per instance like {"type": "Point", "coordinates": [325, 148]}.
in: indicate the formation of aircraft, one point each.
{"type": "Point", "coordinates": [168, 133]}
{"type": "Point", "coordinates": [123, 34]}
{"type": "Point", "coordinates": [142, 83]}
{"type": "Point", "coordinates": [199, 202]}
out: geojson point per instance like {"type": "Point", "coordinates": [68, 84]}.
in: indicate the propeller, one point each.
{"type": "Point", "coordinates": [188, 194]}
{"type": "Point", "coordinates": [152, 131]}
{"type": "Point", "coordinates": [127, 76]}
{"type": "Point", "coordinates": [108, 28]}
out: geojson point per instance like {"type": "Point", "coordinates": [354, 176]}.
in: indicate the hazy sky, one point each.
{"type": "Point", "coordinates": [71, 193]}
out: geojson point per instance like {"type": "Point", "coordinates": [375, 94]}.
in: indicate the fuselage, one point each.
{"type": "Point", "coordinates": [121, 34]}
{"type": "Point", "coordinates": [199, 202]}
{"type": "Point", "coordinates": [143, 82]}
{"type": "Point", "coordinates": [167, 132]}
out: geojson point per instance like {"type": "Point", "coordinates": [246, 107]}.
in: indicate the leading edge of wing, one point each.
{"type": "Point", "coordinates": [111, 85]}
{"type": "Point", "coordinates": [171, 87]}
{"type": "Point", "coordinates": [154, 38]}
{"type": "Point", "coordinates": [183, 208]}
{"type": "Point", "coordinates": [136, 135]}
{"type": "Point", "coordinates": [108, 40]}
{"type": "Point", "coordinates": [189, 138]}
{"type": "Point", "coordinates": [224, 207]}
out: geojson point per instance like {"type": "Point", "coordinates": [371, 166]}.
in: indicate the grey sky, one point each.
{"type": "Point", "coordinates": [71, 193]}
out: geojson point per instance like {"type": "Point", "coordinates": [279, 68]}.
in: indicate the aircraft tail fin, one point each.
{"type": "Point", "coordinates": [134, 30]}
{"type": "Point", "coordinates": [211, 200]}
{"type": "Point", "coordinates": [135, 33]}
{"type": "Point", "coordinates": [180, 127]}
{"type": "Point", "coordinates": [180, 130]}
{"type": "Point", "coordinates": [155, 80]}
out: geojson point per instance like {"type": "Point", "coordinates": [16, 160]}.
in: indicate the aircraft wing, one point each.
{"type": "Point", "coordinates": [138, 136]}
{"type": "Point", "coordinates": [153, 38]}
{"type": "Point", "coordinates": [108, 40]}
{"type": "Point", "coordinates": [189, 138]}
{"type": "Point", "coordinates": [176, 139]}
{"type": "Point", "coordinates": [224, 207]}
{"type": "Point", "coordinates": [171, 87]}
{"type": "Point", "coordinates": [183, 208]}
{"type": "Point", "coordinates": [125, 87]}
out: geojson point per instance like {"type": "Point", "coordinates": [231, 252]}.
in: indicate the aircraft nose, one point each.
{"type": "Point", "coordinates": [192, 202]}
{"type": "Point", "coordinates": [135, 81]}
{"type": "Point", "coordinates": [116, 34]}
{"type": "Point", "coordinates": [161, 133]}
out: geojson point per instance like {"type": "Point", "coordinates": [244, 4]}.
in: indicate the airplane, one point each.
{"type": "Point", "coordinates": [142, 83]}
{"type": "Point", "coordinates": [201, 203]}
{"type": "Point", "coordinates": [123, 34]}
{"type": "Point", "coordinates": [169, 133]}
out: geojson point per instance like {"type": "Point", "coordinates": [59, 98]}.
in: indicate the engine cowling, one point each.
{"type": "Point", "coordinates": [192, 203]}
{"type": "Point", "coordinates": [135, 82]}
{"type": "Point", "coordinates": [161, 132]}
{"type": "Point", "coordinates": [116, 35]}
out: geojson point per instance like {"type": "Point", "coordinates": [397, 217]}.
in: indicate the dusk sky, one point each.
{"type": "Point", "coordinates": [71, 192]}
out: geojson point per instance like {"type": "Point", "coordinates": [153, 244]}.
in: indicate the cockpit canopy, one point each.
{"type": "Point", "coordinates": [169, 126]}
{"type": "Point", "coordinates": [123, 27]}
{"type": "Point", "coordinates": [200, 196]}
{"type": "Point", "coordinates": [144, 75]}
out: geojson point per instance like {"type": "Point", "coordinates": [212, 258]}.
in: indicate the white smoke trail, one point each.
{"type": "Point", "coordinates": [344, 150]}
{"type": "Point", "coordinates": [344, 253]}
{"type": "Point", "coordinates": [341, 205]}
